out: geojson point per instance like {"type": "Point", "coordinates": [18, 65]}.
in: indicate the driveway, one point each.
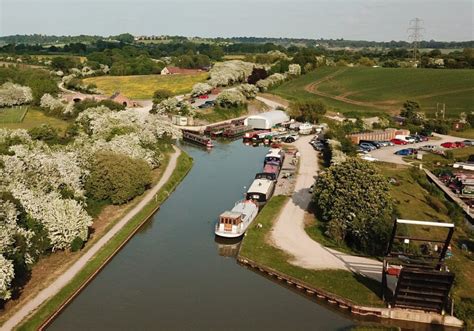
{"type": "Point", "coordinates": [289, 235]}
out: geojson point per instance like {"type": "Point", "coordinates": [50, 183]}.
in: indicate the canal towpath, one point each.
{"type": "Point", "coordinates": [66, 277]}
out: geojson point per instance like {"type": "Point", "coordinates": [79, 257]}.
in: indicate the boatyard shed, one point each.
{"type": "Point", "coordinates": [266, 120]}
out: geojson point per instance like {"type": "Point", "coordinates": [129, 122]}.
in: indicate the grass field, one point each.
{"type": "Point", "coordinates": [35, 117]}
{"type": "Point", "coordinates": [143, 86]}
{"type": "Point", "coordinates": [374, 90]}
{"type": "Point", "coordinates": [343, 283]}
{"type": "Point", "coordinates": [12, 115]}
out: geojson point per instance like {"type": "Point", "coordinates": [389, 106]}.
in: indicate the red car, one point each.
{"type": "Point", "coordinates": [448, 144]}
{"type": "Point", "coordinates": [459, 144]}
{"type": "Point", "coordinates": [399, 142]}
{"type": "Point", "coordinates": [204, 96]}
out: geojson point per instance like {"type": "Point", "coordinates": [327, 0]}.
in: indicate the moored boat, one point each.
{"type": "Point", "coordinates": [197, 139]}
{"type": "Point", "coordinates": [261, 191]}
{"type": "Point", "coordinates": [234, 223]}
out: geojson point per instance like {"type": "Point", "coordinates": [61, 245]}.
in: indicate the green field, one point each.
{"type": "Point", "coordinates": [34, 117]}
{"type": "Point", "coordinates": [12, 115]}
{"type": "Point", "coordinates": [370, 91]}
{"type": "Point", "coordinates": [143, 86]}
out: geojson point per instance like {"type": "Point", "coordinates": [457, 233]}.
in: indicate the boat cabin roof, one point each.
{"type": "Point", "coordinates": [231, 214]}
{"type": "Point", "coordinates": [260, 186]}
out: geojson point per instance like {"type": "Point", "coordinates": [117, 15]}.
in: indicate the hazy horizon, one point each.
{"type": "Point", "coordinates": [373, 20]}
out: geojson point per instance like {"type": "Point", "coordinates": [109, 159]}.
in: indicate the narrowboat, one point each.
{"type": "Point", "coordinates": [216, 129]}
{"type": "Point", "coordinates": [235, 131]}
{"type": "Point", "coordinates": [234, 223]}
{"type": "Point", "coordinates": [261, 191]}
{"type": "Point", "coordinates": [197, 139]}
{"type": "Point", "coordinates": [275, 156]}
{"type": "Point", "coordinates": [253, 134]}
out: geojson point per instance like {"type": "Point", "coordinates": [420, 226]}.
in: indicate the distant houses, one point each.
{"type": "Point", "coordinates": [169, 70]}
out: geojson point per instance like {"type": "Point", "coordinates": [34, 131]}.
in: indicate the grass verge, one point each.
{"type": "Point", "coordinates": [218, 114]}
{"type": "Point", "coordinates": [184, 165]}
{"type": "Point", "coordinates": [255, 247]}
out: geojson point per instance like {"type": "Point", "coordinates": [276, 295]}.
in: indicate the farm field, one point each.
{"type": "Point", "coordinates": [33, 118]}
{"type": "Point", "coordinates": [143, 86]}
{"type": "Point", "coordinates": [368, 91]}
{"type": "Point", "coordinates": [12, 115]}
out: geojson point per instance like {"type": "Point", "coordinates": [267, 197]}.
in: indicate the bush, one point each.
{"type": "Point", "coordinates": [77, 244]}
{"type": "Point", "coordinates": [161, 95]}
{"type": "Point", "coordinates": [308, 111]}
{"type": "Point", "coordinates": [45, 133]}
{"type": "Point", "coordinates": [117, 177]}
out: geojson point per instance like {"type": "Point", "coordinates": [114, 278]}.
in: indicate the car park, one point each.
{"type": "Point", "coordinates": [397, 141]}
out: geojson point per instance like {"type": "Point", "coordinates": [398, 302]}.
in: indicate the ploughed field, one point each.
{"type": "Point", "coordinates": [143, 86]}
{"type": "Point", "coordinates": [367, 91]}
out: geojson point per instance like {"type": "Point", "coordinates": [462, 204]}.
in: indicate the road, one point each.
{"type": "Point", "coordinates": [66, 277]}
{"type": "Point", "coordinates": [387, 154]}
{"type": "Point", "coordinates": [288, 231]}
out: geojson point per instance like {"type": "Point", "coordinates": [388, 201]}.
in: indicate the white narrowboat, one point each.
{"type": "Point", "coordinates": [234, 223]}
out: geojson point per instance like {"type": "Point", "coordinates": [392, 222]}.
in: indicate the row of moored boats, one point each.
{"type": "Point", "coordinates": [233, 223]}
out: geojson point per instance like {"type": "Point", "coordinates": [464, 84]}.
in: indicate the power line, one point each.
{"type": "Point", "coordinates": [415, 29]}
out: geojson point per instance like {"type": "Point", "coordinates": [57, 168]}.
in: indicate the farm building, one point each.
{"type": "Point", "coordinates": [381, 135]}
{"type": "Point", "coordinates": [266, 120]}
{"type": "Point", "coordinates": [179, 71]}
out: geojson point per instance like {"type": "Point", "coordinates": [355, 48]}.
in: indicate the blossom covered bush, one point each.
{"type": "Point", "coordinates": [44, 185]}
{"type": "Point", "coordinates": [294, 69]}
{"type": "Point", "coordinates": [201, 88]}
{"type": "Point", "coordinates": [229, 72]}
{"type": "Point", "coordinates": [7, 274]}
{"type": "Point", "coordinates": [248, 90]}
{"type": "Point", "coordinates": [272, 80]}
{"type": "Point", "coordinates": [230, 98]}
{"type": "Point", "coordinates": [14, 95]}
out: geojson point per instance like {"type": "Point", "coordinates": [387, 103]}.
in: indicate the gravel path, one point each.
{"type": "Point", "coordinates": [64, 279]}
{"type": "Point", "coordinates": [289, 235]}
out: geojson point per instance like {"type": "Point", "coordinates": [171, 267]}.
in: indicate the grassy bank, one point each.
{"type": "Point", "coordinates": [218, 114]}
{"type": "Point", "coordinates": [49, 307]}
{"type": "Point", "coordinates": [255, 247]}
{"type": "Point", "coordinates": [143, 86]}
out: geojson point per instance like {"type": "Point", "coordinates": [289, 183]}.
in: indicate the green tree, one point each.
{"type": "Point", "coordinates": [308, 111]}
{"type": "Point", "coordinates": [63, 63]}
{"type": "Point", "coordinates": [117, 177]}
{"type": "Point", "coordinates": [46, 133]}
{"type": "Point", "coordinates": [353, 198]}
{"type": "Point", "coordinates": [161, 95]}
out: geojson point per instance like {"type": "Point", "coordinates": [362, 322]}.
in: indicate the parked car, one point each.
{"type": "Point", "coordinates": [459, 144]}
{"type": "Point", "coordinates": [210, 102]}
{"type": "Point", "coordinates": [367, 146]}
{"type": "Point", "coordinates": [204, 96]}
{"type": "Point", "coordinates": [406, 151]}
{"type": "Point", "coordinates": [311, 189]}
{"type": "Point", "coordinates": [290, 138]}
{"type": "Point", "coordinates": [361, 151]}
{"type": "Point", "coordinates": [368, 157]}
{"type": "Point", "coordinates": [448, 144]}
{"type": "Point", "coordinates": [374, 143]}
{"type": "Point", "coordinates": [205, 106]}
{"type": "Point", "coordinates": [319, 146]}
{"type": "Point", "coordinates": [469, 142]}
{"type": "Point", "coordinates": [398, 142]}
{"type": "Point", "coordinates": [428, 148]}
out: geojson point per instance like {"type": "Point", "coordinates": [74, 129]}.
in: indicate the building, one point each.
{"type": "Point", "coordinates": [123, 100]}
{"type": "Point", "coordinates": [378, 135]}
{"type": "Point", "coordinates": [266, 120]}
{"type": "Point", "coordinates": [169, 70]}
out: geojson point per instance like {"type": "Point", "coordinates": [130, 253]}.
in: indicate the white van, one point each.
{"type": "Point", "coordinates": [405, 138]}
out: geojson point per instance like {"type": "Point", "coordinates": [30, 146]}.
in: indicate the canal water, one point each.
{"type": "Point", "coordinates": [173, 275]}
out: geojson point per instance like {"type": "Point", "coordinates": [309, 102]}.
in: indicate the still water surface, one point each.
{"type": "Point", "coordinates": [170, 276]}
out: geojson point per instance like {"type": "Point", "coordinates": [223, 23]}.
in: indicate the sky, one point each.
{"type": "Point", "coordinates": [380, 20]}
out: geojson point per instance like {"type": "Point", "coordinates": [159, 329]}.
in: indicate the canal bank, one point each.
{"type": "Point", "coordinates": [171, 276]}
{"type": "Point", "coordinates": [57, 295]}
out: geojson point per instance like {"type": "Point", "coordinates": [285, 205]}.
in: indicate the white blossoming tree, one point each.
{"type": "Point", "coordinates": [248, 90]}
{"type": "Point", "coordinates": [14, 95]}
{"type": "Point", "coordinates": [230, 98]}
{"type": "Point", "coordinates": [200, 89]}
{"type": "Point", "coordinates": [51, 103]}
{"type": "Point", "coordinates": [229, 72]}
{"type": "Point", "coordinates": [294, 69]}
{"type": "Point", "coordinates": [6, 276]}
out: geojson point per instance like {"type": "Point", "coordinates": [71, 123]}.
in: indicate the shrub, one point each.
{"type": "Point", "coordinates": [117, 177]}
{"type": "Point", "coordinates": [230, 98]}
{"type": "Point", "coordinates": [77, 244]}
{"type": "Point", "coordinates": [45, 133]}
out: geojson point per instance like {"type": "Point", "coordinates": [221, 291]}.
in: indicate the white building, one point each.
{"type": "Point", "coordinates": [267, 120]}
